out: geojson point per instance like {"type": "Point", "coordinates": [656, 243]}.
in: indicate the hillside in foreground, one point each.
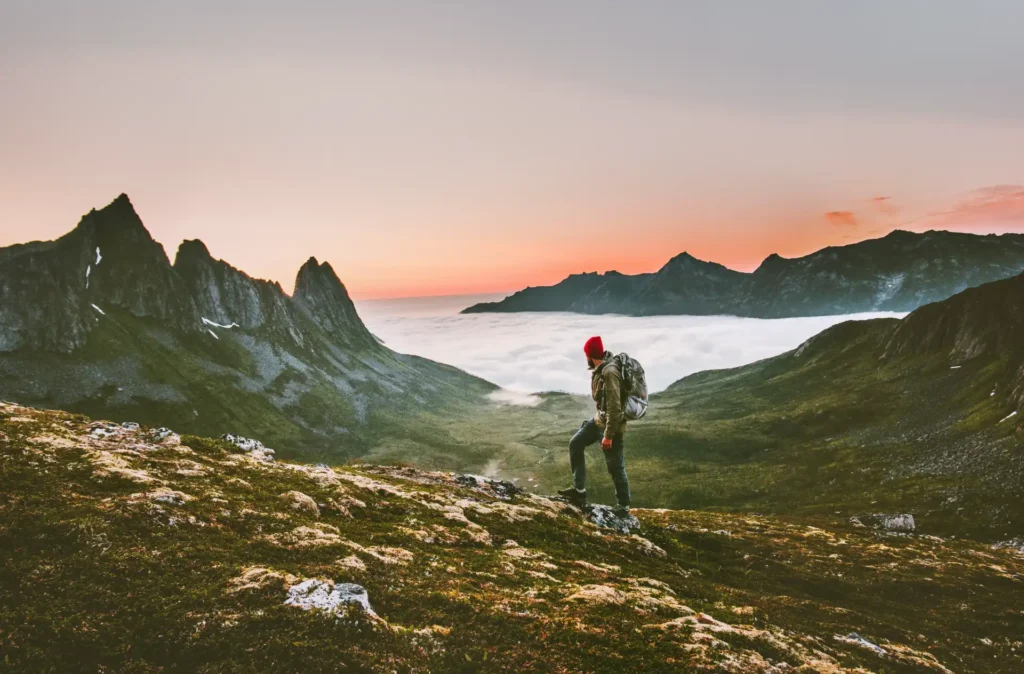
{"type": "Point", "coordinates": [135, 549]}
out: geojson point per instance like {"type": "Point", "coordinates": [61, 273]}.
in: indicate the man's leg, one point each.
{"type": "Point", "coordinates": [615, 458]}
{"type": "Point", "coordinates": [587, 435]}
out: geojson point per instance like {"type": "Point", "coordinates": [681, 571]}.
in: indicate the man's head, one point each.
{"type": "Point", "coordinates": [594, 348]}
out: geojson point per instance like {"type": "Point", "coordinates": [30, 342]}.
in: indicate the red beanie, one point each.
{"type": "Point", "coordinates": [594, 348]}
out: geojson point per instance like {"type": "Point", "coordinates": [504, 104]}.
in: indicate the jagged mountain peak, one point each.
{"type": "Point", "coordinates": [686, 263]}
{"type": "Point", "coordinates": [314, 273]}
{"type": "Point", "coordinates": [321, 295]}
{"type": "Point", "coordinates": [116, 219]}
{"type": "Point", "coordinates": [192, 248]}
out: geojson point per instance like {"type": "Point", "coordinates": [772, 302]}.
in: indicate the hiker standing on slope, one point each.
{"type": "Point", "coordinates": [607, 425]}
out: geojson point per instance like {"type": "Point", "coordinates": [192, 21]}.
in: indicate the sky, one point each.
{"type": "Point", "coordinates": [467, 147]}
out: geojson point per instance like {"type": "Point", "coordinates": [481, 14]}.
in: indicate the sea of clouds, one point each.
{"type": "Point", "coordinates": [534, 352]}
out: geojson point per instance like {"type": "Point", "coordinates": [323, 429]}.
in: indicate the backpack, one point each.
{"type": "Point", "coordinates": [634, 387]}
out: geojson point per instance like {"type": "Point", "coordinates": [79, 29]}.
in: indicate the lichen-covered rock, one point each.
{"type": "Point", "coordinates": [260, 578]}
{"type": "Point", "coordinates": [303, 503]}
{"type": "Point", "coordinates": [898, 522]}
{"type": "Point", "coordinates": [326, 595]}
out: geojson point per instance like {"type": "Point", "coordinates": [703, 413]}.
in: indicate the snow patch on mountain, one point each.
{"type": "Point", "coordinates": [207, 321]}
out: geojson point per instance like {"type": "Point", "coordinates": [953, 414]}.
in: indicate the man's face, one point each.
{"type": "Point", "coordinates": [590, 363]}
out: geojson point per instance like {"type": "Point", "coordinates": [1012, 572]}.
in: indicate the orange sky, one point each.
{"type": "Point", "coordinates": [482, 147]}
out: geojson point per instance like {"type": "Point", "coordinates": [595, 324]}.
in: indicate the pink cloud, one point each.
{"type": "Point", "coordinates": [996, 208]}
{"type": "Point", "coordinates": [841, 219]}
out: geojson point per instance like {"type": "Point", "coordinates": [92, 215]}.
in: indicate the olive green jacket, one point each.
{"type": "Point", "coordinates": [606, 389]}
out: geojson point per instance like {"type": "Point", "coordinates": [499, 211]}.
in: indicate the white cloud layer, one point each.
{"type": "Point", "coordinates": [535, 352]}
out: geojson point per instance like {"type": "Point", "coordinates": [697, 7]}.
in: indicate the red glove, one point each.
{"type": "Point", "coordinates": [606, 444]}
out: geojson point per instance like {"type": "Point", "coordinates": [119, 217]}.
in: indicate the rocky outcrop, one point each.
{"type": "Point", "coordinates": [321, 295]}
{"type": "Point", "coordinates": [52, 294]}
{"type": "Point", "coordinates": [988, 320]}
{"type": "Point", "coordinates": [227, 296]}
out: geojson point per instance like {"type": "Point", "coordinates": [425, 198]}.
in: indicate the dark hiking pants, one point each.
{"type": "Point", "coordinates": [614, 458]}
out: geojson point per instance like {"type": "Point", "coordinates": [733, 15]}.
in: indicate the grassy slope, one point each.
{"type": "Point", "coordinates": [831, 433]}
{"type": "Point", "coordinates": [214, 379]}
{"type": "Point", "coordinates": [95, 573]}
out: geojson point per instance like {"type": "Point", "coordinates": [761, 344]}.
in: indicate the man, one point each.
{"type": "Point", "coordinates": [607, 425]}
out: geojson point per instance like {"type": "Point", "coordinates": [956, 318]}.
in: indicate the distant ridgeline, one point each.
{"type": "Point", "coordinates": [99, 321]}
{"type": "Point", "coordinates": [899, 272]}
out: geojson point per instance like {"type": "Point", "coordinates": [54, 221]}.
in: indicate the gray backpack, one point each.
{"type": "Point", "coordinates": [634, 387]}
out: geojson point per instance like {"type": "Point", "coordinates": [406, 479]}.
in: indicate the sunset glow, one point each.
{"type": "Point", "coordinates": [485, 150]}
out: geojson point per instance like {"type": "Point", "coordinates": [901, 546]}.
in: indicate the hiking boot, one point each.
{"type": "Point", "coordinates": [621, 510]}
{"type": "Point", "coordinates": [574, 495]}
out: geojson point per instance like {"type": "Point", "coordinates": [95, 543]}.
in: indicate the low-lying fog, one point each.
{"type": "Point", "coordinates": [534, 352]}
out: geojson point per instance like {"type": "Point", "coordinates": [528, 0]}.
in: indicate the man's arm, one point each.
{"type": "Point", "coordinates": [612, 402]}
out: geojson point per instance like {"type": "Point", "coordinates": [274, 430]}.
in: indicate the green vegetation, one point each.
{"type": "Point", "coordinates": [124, 551]}
{"type": "Point", "coordinates": [826, 433]}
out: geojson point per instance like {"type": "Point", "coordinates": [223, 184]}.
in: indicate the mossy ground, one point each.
{"type": "Point", "coordinates": [102, 570]}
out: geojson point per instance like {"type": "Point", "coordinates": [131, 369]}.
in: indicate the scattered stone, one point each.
{"type": "Point", "coordinates": [855, 639]}
{"type": "Point", "coordinates": [252, 447]}
{"type": "Point", "coordinates": [259, 578]}
{"type": "Point", "coordinates": [166, 436]}
{"type": "Point", "coordinates": [169, 496]}
{"type": "Point", "coordinates": [603, 516]}
{"type": "Point", "coordinates": [598, 594]}
{"type": "Point", "coordinates": [130, 426]}
{"type": "Point", "coordinates": [503, 489]}
{"type": "Point", "coordinates": [109, 464]}
{"type": "Point", "coordinates": [326, 595]}
{"type": "Point", "coordinates": [647, 547]}
{"type": "Point", "coordinates": [100, 430]}
{"type": "Point", "coordinates": [352, 562]}
{"type": "Point", "coordinates": [308, 537]}
{"type": "Point", "coordinates": [898, 522]}
{"type": "Point", "coordinates": [1012, 544]}
{"type": "Point", "coordinates": [303, 503]}
{"type": "Point", "coordinates": [599, 567]}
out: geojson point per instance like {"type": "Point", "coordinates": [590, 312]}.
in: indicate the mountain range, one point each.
{"type": "Point", "coordinates": [913, 416]}
{"type": "Point", "coordinates": [100, 321]}
{"type": "Point", "coordinates": [898, 273]}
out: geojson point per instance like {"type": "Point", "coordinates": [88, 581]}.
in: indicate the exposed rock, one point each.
{"type": "Point", "coordinates": [326, 595]}
{"type": "Point", "coordinates": [168, 496]}
{"type": "Point", "coordinates": [352, 562]}
{"type": "Point", "coordinates": [253, 448]}
{"type": "Point", "coordinates": [500, 488]}
{"type": "Point", "coordinates": [321, 295]}
{"type": "Point", "coordinates": [603, 516]}
{"type": "Point", "coordinates": [303, 503]}
{"type": "Point", "coordinates": [259, 578]}
{"type": "Point", "coordinates": [598, 594]}
{"type": "Point", "coordinates": [308, 537]}
{"type": "Point", "coordinates": [898, 522]}
{"type": "Point", "coordinates": [647, 547]}
{"type": "Point", "coordinates": [855, 639]}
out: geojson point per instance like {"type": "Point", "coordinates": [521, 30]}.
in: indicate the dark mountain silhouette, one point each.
{"type": "Point", "coordinates": [899, 272]}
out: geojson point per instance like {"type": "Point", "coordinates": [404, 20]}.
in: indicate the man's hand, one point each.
{"type": "Point", "coordinates": [606, 444]}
